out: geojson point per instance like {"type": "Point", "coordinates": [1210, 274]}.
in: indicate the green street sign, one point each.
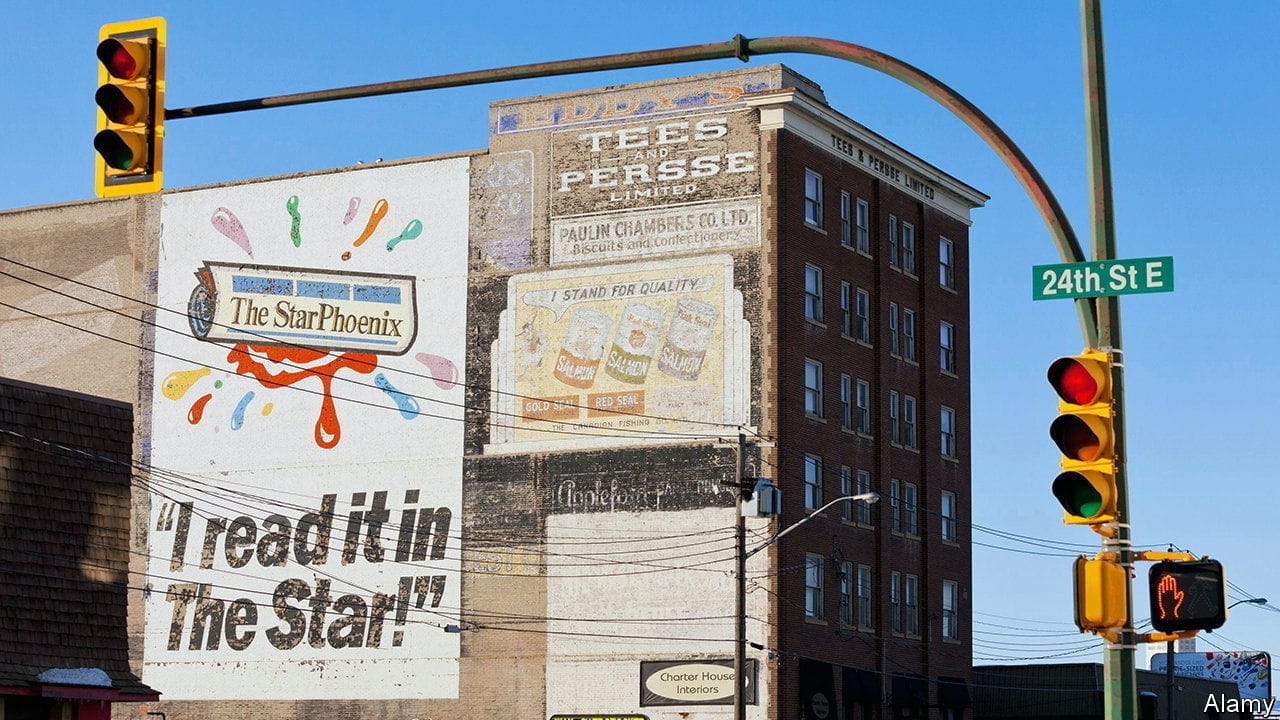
{"type": "Point", "coordinates": [1102, 277]}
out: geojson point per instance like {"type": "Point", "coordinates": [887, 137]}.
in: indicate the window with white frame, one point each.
{"type": "Point", "coordinates": [909, 437]}
{"type": "Point", "coordinates": [895, 427]}
{"type": "Point", "coordinates": [846, 309]}
{"type": "Point", "coordinates": [909, 334]}
{"type": "Point", "coordinates": [950, 616]}
{"type": "Point", "coordinates": [812, 388]}
{"type": "Point", "coordinates": [813, 293]}
{"type": "Point", "coordinates": [893, 241]}
{"type": "Point", "coordinates": [908, 242]}
{"type": "Point", "coordinates": [947, 423]}
{"type": "Point", "coordinates": [864, 597]}
{"type": "Point", "coordinates": [895, 601]}
{"type": "Point", "coordinates": [846, 402]}
{"type": "Point", "coordinates": [846, 489]}
{"type": "Point", "coordinates": [948, 516]}
{"type": "Point", "coordinates": [946, 264]}
{"type": "Point", "coordinates": [947, 348]}
{"type": "Point", "coordinates": [864, 407]}
{"type": "Point", "coordinates": [812, 482]}
{"type": "Point", "coordinates": [846, 593]}
{"type": "Point", "coordinates": [863, 310]}
{"type": "Point", "coordinates": [910, 510]}
{"type": "Point", "coordinates": [863, 486]}
{"type": "Point", "coordinates": [911, 603]}
{"type": "Point", "coordinates": [813, 198]}
{"type": "Point", "coordinates": [893, 328]}
{"type": "Point", "coordinates": [813, 586]}
{"type": "Point", "coordinates": [846, 219]}
{"type": "Point", "coordinates": [864, 226]}
{"type": "Point", "coordinates": [895, 505]}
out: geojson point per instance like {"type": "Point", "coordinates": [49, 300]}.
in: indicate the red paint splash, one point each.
{"type": "Point", "coordinates": [246, 359]}
{"type": "Point", "coordinates": [196, 413]}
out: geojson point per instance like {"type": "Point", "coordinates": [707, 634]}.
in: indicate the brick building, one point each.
{"type": "Point", "coordinates": [443, 437]}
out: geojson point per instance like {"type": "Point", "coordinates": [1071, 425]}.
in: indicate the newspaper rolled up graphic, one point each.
{"type": "Point", "coordinates": [298, 307]}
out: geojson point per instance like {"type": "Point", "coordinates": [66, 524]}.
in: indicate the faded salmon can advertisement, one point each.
{"type": "Point", "coordinates": [635, 343]}
{"type": "Point", "coordinates": [685, 348]}
{"type": "Point", "coordinates": [583, 347]}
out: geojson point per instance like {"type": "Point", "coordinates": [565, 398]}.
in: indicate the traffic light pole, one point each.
{"type": "Point", "coordinates": [1120, 689]}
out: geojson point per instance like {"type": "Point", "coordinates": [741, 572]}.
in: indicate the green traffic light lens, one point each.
{"type": "Point", "coordinates": [1077, 495]}
{"type": "Point", "coordinates": [114, 150]}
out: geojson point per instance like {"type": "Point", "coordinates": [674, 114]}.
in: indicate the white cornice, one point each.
{"type": "Point", "coordinates": [836, 134]}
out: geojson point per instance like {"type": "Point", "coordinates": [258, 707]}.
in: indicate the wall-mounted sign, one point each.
{"type": "Point", "coordinates": [693, 682]}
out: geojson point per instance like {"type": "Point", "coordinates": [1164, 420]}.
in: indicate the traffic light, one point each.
{"type": "Point", "coordinates": [130, 100]}
{"type": "Point", "coordinates": [1188, 596]}
{"type": "Point", "coordinates": [1084, 433]}
{"type": "Point", "coordinates": [1100, 594]}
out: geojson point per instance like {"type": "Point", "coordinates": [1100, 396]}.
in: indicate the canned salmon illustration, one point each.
{"type": "Point", "coordinates": [685, 348]}
{"type": "Point", "coordinates": [635, 342]}
{"type": "Point", "coordinates": [583, 347]}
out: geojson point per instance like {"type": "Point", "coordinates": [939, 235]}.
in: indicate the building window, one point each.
{"type": "Point", "coordinates": [813, 586]}
{"type": "Point", "coordinates": [893, 328]}
{"type": "Point", "coordinates": [946, 263]}
{"type": "Point", "coordinates": [895, 601]}
{"type": "Point", "coordinates": [864, 227]}
{"type": "Point", "coordinates": [893, 241]}
{"type": "Point", "coordinates": [909, 334]}
{"type": "Point", "coordinates": [863, 509]}
{"type": "Point", "coordinates": [863, 310]}
{"type": "Point", "coordinates": [910, 513]}
{"type": "Point", "coordinates": [948, 516]}
{"type": "Point", "coordinates": [813, 198]}
{"type": "Point", "coordinates": [846, 489]}
{"type": "Point", "coordinates": [812, 482]}
{"type": "Point", "coordinates": [909, 438]}
{"type": "Point", "coordinates": [812, 388]}
{"type": "Point", "coordinates": [846, 309]}
{"type": "Point", "coordinates": [948, 423]}
{"type": "Point", "coordinates": [864, 407]}
{"type": "Point", "coordinates": [895, 505]}
{"type": "Point", "coordinates": [895, 429]}
{"type": "Point", "coordinates": [864, 597]}
{"type": "Point", "coordinates": [846, 220]}
{"type": "Point", "coordinates": [911, 598]}
{"type": "Point", "coordinates": [846, 593]}
{"type": "Point", "coordinates": [950, 618]}
{"type": "Point", "coordinates": [846, 401]}
{"type": "Point", "coordinates": [813, 293]}
{"type": "Point", "coordinates": [908, 242]}
{"type": "Point", "coordinates": [947, 347]}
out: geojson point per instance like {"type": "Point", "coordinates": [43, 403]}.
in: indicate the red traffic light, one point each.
{"type": "Point", "coordinates": [124, 59]}
{"type": "Point", "coordinates": [1080, 380]}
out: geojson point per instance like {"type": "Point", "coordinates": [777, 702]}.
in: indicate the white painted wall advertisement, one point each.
{"type": "Point", "coordinates": [305, 437]}
{"type": "Point", "coordinates": [620, 354]}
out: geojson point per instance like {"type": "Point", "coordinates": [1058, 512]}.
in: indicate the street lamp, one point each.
{"type": "Point", "coordinates": [1168, 660]}
{"type": "Point", "coordinates": [739, 647]}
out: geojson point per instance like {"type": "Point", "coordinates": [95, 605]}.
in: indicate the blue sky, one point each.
{"type": "Point", "coordinates": [1193, 141]}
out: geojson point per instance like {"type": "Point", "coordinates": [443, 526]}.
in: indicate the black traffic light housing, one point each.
{"type": "Point", "coordinates": [1187, 595]}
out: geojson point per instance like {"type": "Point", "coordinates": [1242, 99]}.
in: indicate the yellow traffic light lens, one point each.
{"type": "Point", "coordinates": [1081, 437]}
{"type": "Point", "coordinates": [1078, 495]}
{"type": "Point", "coordinates": [123, 106]}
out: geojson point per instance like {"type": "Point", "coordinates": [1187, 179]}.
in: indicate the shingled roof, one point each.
{"type": "Point", "coordinates": [64, 544]}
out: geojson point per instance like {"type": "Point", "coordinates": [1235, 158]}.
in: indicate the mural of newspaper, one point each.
{"type": "Point", "coordinates": [306, 429]}
{"type": "Point", "coordinates": [263, 305]}
{"type": "Point", "coordinates": [619, 355]}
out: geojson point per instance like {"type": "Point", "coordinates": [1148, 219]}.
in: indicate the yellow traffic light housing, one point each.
{"type": "Point", "coordinates": [130, 99]}
{"type": "Point", "coordinates": [1085, 435]}
{"type": "Point", "coordinates": [1101, 588]}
